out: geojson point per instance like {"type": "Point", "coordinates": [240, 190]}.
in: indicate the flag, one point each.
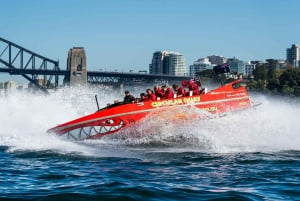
{"type": "Point", "coordinates": [224, 68]}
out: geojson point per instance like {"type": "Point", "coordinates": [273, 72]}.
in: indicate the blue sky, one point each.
{"type": "Point", "coordinates": [123, 34]}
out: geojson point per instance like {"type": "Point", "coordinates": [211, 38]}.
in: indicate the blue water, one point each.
{"type": "Point", "coordinates": [253, 155]}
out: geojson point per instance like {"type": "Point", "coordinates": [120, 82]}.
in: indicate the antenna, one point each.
{"type": "Point", "coordinates": [97, 102]}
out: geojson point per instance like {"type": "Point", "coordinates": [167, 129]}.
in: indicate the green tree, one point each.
{"type": "Point", "coordinates": [259, 73]}
{"type": "Point", "coordinates": [297, 91]}
{"type": "Point", "coordinates": [271, 68]}
{"type": "Point", "coordinates": [261, 85]}
{"type": "Point", "coordinates": [260, 76]}
{"type": "Point", "coordinates": [287, 90]}
{"type": "Point", "coordinates": [252, 85]}
{"type": "Point", "coordinates": [273, 82]}
{"type": "Point", "coordinates": [290, 82]}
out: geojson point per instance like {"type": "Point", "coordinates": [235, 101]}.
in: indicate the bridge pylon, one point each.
{"type": "Point", "coordinates": [76, 65]}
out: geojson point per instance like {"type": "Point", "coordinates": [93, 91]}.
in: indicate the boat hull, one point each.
{"type": "Point", "coordinates": [112, 119]}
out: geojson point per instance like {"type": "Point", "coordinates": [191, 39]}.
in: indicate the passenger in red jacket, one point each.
{"type": "Point", "coordinates": [168, 92]}
{"type": "Point", "coordinates": [150, 95]}
{"type": "Point", "coordinates": [193, 87]}
{"type": "Point", "coordinates": [158, 92]}
{"type": "Point", "coordinates": [180, 91]}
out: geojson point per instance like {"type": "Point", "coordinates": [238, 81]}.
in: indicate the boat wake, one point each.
{"type": "Point", "coordinates": [273, 126]}
{"type": "Point", "coordinates": [171, 127]}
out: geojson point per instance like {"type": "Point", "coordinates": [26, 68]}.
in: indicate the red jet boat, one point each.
{"type": "Point", "coordinates": [111, 119]}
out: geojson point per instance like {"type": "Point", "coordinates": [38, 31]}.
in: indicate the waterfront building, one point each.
{"type": "Point", "coordinates": [217, 60]}
{"type": "Point", "coordinates": [249, 67]}
{"type": "Point", "coordinates": [282, 64]}
{"type": "Point", "coordinates": [256, 62]}
{"type": "Point", "coordinates": [168, 63]}
{"type": "Point", "coordinates": [293, 55]}
{"type": "Point", "coordinates": [10, 86]}
{"type": "Point", "coordinates": [200, 65]}
{"type": "Point", "coordinates": [177, 64]}
{"type": "Point", "coordinates": [40, 81]}
{"type": "Point", "coordinates": [1, 89]}
{"type": "Point", "coordinates": [236, 66]}
{"type": "Point", "coordinates": [157, 65]}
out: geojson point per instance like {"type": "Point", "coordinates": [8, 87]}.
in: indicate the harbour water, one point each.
{"type": "Point", "coordinates": [251, 155]}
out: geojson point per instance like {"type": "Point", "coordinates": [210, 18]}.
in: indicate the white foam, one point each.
{"type": "Point", "coordinates": [24, 119]}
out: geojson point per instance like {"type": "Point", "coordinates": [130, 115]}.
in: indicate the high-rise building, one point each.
{"type": "Point", "coordinates": [249, 67]}
{"type": "Point", "coordinates": [156, 67]}
{"type": "Point", "coordinates": [168, 63]}
{"type": "Point", "coordinates": [236, 66]}
{"type": "Point", "coordinates": [293, 55]}
{"type": "Point", "coordinates": [177, 64]}
{"type": "Point", "coordinates": [217, 60]}
{"type": "Point", "coordinates": [200, 65]}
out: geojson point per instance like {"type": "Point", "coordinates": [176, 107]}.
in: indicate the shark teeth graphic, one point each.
{"type": "Point", "coordinates": [90, 131]}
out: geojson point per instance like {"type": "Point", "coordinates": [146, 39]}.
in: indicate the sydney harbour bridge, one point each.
{"type": "Point", "coordinates": [17, 60]}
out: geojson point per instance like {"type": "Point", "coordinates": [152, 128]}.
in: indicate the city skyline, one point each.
{"type": "Point", "coordinates": [123, 35]}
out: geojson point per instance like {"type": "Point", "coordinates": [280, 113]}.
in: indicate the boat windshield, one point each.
{"type": "Point", "coordinates": [114, 105]}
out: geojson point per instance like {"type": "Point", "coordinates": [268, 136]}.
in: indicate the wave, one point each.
{"type": "Point", "coordinates": [273, 126]}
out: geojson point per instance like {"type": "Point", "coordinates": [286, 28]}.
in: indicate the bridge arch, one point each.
{"type": "Point", "coordinates": [21, 61]}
